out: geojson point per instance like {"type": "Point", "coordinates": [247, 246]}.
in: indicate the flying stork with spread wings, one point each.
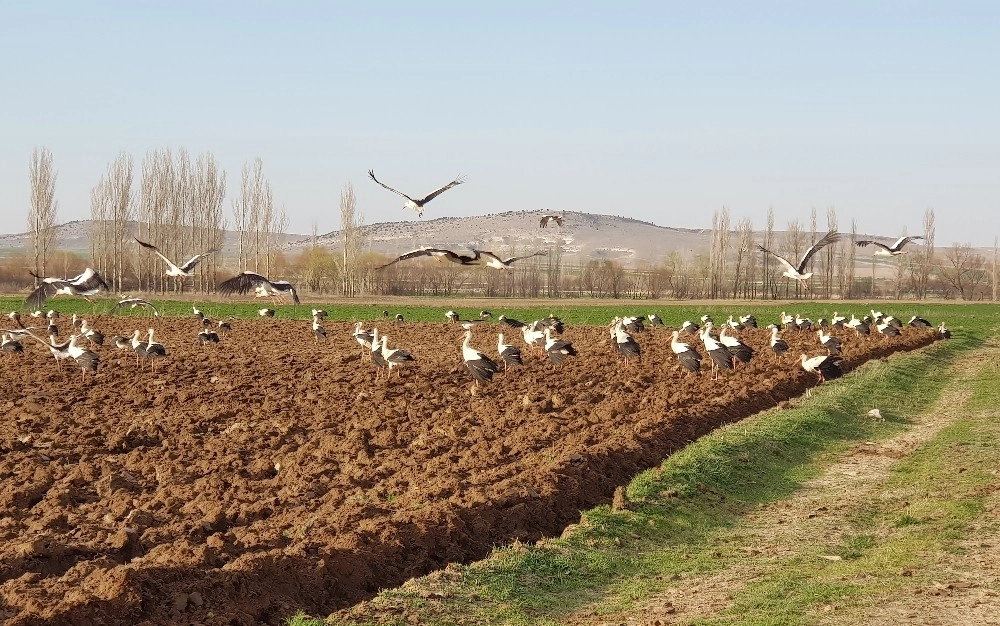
{"type": "Point", "coordinates": [417, 204]}
{"type": "Point", "coordinates": [797, 272]}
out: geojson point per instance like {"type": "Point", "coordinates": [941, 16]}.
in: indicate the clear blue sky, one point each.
{"type": "Point", "coordinates": [659, 111]}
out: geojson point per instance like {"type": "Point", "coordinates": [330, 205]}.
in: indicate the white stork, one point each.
{"type": "Point", "coordinates": [153, 351]}
{"type": "Point", "coordinates": [737, 349]}
{"type": "Point", "coordinates": [183, 271]}
{"type": "Point", "coordinates": [395, 357]}
{"type": "Point", "coordinates": [9, 345]}
{"type": "Point", "coordinates": [557, 349]}
{"type": "Point", "coordinates": [87, 360]}
{"type": "Point", "coordinates": [778, 345]}
{"type": "Point", "coordinates": [479, 365]}
{"type": "Point", "coordinates": [798, 272]}
{"type": "Point", "coordinates": [919, 322]}
{"type": "Point", "coordinates": [452, 316]}
{"type": "Point", "coordinates": [831, 343]}
{"type": "Point", "coordinates": [943, 332]}
{"type": "Point", "coordinates": [511, 355]}
{"type": "Point", "coordinates": [496, 262]}
{"type": "Point", "coordinates": [375, 354]}
{"type": "Point", "coordinates": [265, 312]}
{"type": "Point", "coordinates": [363, 338]}
{"type": "Point", "coordinates": [88, 283]}
{"type": "Point", "coordinates": [721, 358]}
{"type": "Point", "coordinates": [550, 217]}
{"type": "Point", "coordinates": [92, 334]}
{"type": "Point", "coordinates": [825, 367]}
{"type": "Point", "coordinates": [262, 286]}
{"type": "Point", "coordinates": [654, 320]}
{"type": "Point", "coordinates": [626, 344]}
{"type": "Point", "coordinates": [690, 359]}
{"type": "Point", "coordinates": [417, 204]}
{"type": "Point", "coordinates": [318, 331]}
{"type": "Point", "coordinates": [893, 250]}
{"type": "Point", "coordinates": [133, 303]}
{"type": "Point", "coordinates": [439, 254]}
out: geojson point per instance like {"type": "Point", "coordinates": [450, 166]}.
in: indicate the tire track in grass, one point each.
{"type": "Point", "coordinates": [798, 555]}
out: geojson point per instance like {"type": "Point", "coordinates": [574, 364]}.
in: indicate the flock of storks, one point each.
{"type": "Point", "coordinates": [725, 350]}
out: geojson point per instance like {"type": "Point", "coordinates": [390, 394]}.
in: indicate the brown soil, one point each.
{"type": "Point", "coordinates": [271, 473]}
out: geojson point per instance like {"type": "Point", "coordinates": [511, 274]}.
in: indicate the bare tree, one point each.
{"type": "Point", "coordinates": [927, 257]}
{"type": "Point", "coordinates": [769, 285]}
{"type": "Point", "coordinates": [42, 214]}
{"type": "Point", "coordinates": [794, 246]}
{"type": "Point", "coordinates": [830, 252]}
{"type": "Point", "coordinates": [720, 247]}
{"type": "Point", "coordinates": [963, 269]}
{"type": "Point", "coordinates": [743, 273]}
{"type": "Point", "coordinates": [350, 227]}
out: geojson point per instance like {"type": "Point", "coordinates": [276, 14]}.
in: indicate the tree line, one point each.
{"type": "Point", "coordinates": [178, 204]}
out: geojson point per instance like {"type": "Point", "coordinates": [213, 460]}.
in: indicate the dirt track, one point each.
{"type": "Point", "coordinates": [270, 473]}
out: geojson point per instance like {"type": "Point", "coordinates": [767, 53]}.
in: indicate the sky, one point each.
{"type": "Point", "coordinates": [660, 111]}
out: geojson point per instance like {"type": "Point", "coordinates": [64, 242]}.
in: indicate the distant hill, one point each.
{"type": "Point", "coordinates": [584, 236]}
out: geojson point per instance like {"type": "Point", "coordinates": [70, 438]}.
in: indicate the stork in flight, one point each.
{"type": "Point", "coordinates": [87, 284]}
{"type": "Point", "coordinates": [894, 250]}
{"type": "Point", "coordinates": [494, 261]}
{"type": "Point", "coordinates": [797, 272]}
{"type": "Point", "coordinates": [183, 271]}
{"type": "Point", "coordinates": [545, 219]}
{"type": "Point", "coordinates": [437, 253]}
{"type": "Point", "coordinates": [417, 204]}
{"type": "Point", "coordinates": [264, 288]}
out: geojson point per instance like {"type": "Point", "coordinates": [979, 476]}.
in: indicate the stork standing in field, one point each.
{"type": "Point", "coordinates": [919, 322]}
{"type": "Point", "coordinates": [887, 329]}
{"type": "Point", "coordinates": [831, 343]}
{"type": "Point", "coordinates": [93, 335]}
{"type": "Point", "coordinates": [87, 360]}
{"type": "Point", "coordinates": [654, 320]}
{"type": "Point", "coordinates": [153, 351]}
{"type": "Point", "coordinates": [317, 329]}
{"type": "Point", "coordinates": [375, 354]}
{"type": "Point", "coordinates": [737, 349]}
{"type": "Point", "coordinates": [943, 332]}
{"type": "Point", "coordinates": [824, 366]}
{"type": "Point", "coordinates": [689, 358]}
{"type": "Point", "coordinates": [207, 335]}
{"type": "Point", "coordinates": [395, 357]}
{"type": "Point", "coordinates": [198, 312]}
{"type": "Point", "coordinates": [721, 358]}
{"type": "Point", "coordinates": [892, 250]}
{"type": "Point", "coordinates": [479, 365]}
{"type": "Point", "coordinates": [452, 316]}
{"type": "Point", "coordinates": [557, 349]}
{"type": "Point", "coordinates": [363, 338]}
{"type": "Point", "coordinates": [417, 204]}
{"type": "Point", "coordinates": [88, 283]}
{"type": "Point", "coordinates": [626, 344]}
{"type": "Point", "coordinates": [860, 327]}
{"type": "Point", "coordinates": [689, 328]}
{"type": "Point", "coordinates": [265, 312]}
{"type": "Point", "coordinates": [778, 345]}
{"type": "Point", "coordinates": [798, 272]}
{"type": "Point", "coordinates": [508, 353]}
{"type": "Point", "coordinates": [174, 271]}
{"type": "Point", "coordinates": [9, 345]}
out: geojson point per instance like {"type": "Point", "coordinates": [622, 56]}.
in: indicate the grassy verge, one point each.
{"type": "Point", "coordinates": [428, 309]}
{"type": "Point", "coordinates": [682, 516]}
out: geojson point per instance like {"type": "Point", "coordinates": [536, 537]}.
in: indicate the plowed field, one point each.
{"type": "Point", "coordinates": [246, 480]}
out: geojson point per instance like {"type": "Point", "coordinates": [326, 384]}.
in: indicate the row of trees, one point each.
{"type": "Point", "coordinates": [178, 205]}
